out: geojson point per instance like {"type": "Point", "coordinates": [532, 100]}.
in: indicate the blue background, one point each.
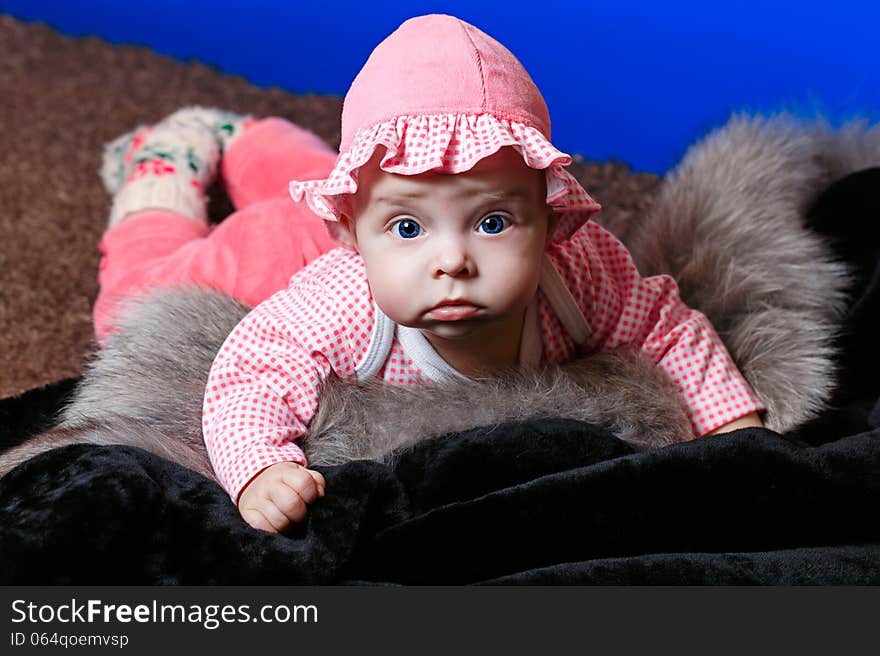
{"type": "Point", "coordinates": [634, 81]}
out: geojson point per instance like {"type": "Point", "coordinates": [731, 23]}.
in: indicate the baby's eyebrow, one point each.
{"type": "Point", "coordinates": [506, 194]}
{"type": "Point", "coordinates": [494, 196]}
{"type": "Point", "coordinates": [396, 198]}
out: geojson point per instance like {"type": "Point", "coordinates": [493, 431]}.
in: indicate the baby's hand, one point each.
{"type": "Point", "coordinates": [279, 495]}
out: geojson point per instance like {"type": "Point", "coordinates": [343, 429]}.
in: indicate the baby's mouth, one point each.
{"type": "Point", "coordinates": [452, 310]}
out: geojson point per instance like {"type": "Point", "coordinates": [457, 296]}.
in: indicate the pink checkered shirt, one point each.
{"type": "Point", "coordinates": [263, 387]}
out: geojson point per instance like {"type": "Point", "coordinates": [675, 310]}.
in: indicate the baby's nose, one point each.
{"type": "Point", "coordinates": [453, 260]}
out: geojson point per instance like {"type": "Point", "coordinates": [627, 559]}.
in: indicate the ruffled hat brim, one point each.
{"type": "Point", "coordinates": [448, 143]}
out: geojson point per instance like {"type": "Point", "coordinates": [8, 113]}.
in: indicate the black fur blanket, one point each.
{"type": "Point", "coordinates": [541, 500]}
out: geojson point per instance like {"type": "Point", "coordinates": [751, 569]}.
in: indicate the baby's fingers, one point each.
{"type": "Point", "coordinates": [300, 480]}
{"type": "Point", "coordinates": [289, 503]}
{"type": "Point", "coordinates": [258, 519]}
{"type": "Point", "coordinates": [319, 481]}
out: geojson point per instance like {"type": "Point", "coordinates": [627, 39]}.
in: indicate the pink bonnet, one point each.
{"type": "Point", "coordinates": [440, 95]}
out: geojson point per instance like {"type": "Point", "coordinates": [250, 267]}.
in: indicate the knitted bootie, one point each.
{"type": "Point", "coordinates": [227, 126]}
{"type": "Point", "coordinates": [169, 165]}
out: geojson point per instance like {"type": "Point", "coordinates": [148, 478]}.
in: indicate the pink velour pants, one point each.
{"type": "Point", "coordinates": [251, 254]}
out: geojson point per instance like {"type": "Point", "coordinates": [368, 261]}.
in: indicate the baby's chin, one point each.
{"type": "Point", "coordinates": [454, 330]}
{"type": "Point", "coordinates": [451, 330]}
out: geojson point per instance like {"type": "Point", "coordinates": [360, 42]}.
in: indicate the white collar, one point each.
{"type": "Point", "coordinates": [426, 358]}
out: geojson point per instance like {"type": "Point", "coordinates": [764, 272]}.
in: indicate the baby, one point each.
{"type": "Point", "coordinates": [462, 248]}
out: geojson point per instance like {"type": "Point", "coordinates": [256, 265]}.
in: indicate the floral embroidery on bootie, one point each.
{"type": "Point", "coordinates": [226, 125]}
{"type": "Point", "coordinates": [169, 165]}
{"type": "Point", "coordinates": [166, 166]}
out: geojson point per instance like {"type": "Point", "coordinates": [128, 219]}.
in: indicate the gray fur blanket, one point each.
{"type": "Point", "coordinates": [730, 224]}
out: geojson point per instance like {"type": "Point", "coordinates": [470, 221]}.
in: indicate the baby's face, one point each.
{"type": "Point", "coordinates": [475, 237]}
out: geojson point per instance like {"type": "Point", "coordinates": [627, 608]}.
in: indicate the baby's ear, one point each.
{"type": "Point", "coordinates": [343, 231]}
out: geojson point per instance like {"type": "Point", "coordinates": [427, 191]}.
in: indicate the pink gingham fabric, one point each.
{"type": "Point", "coordinates": [440, 95]}
{"type": "Point", "coordinates": [447, 143]}
{"type": "Point", "coordinates": [263, 388]}
{"type": "Point", "coordinates": [623, 308]}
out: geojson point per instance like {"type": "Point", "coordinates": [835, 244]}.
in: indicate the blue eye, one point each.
{"type": "Point", "coordinates": [408, 229]}
{"type": "Point", "coordinates": [494, 223]}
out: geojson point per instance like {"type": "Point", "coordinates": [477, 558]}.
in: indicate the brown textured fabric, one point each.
{"type": "Point", "coordinates": [62, 98]}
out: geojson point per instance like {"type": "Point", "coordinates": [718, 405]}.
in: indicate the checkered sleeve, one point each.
{"type": "Point", "coordinates": [263, 387]}
{"type": "Point", "coordinates": [624, 308]}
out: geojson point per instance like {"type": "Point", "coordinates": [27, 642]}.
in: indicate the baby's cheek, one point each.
{"type": "Point", "coordinates": [394, 293]}
{"type": "Point", "coordinates": [520, 275]}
